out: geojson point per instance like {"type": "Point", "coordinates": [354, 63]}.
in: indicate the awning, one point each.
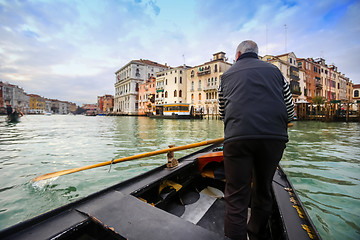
{"type": "Point", "coordinates": [160, 90]}
{"type": "Point", "coordinates": [302, 101]}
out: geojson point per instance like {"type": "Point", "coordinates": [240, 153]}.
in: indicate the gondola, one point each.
{"type": "Point", "coordinates": [169, 202]}
{"type": "Point", "coordinates": [14, 117]}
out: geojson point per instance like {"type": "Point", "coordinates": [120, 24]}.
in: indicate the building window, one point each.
{"type": "Point", "coordinates": [192, 85]}
{"type": "Point", "coordinates": [215, 80]}
{"type": "Point", "coordinates": [166, 95]}
{"type": "Point", "coordinates": [137, 73]}
{"type": "Point", "coordinates": [180, 80]}
{"type": "Point", "coordinates": [175, 93]}
{"type": "Point", "coordinates": [215, 70]}
{"type": "Point", "coordinates": [175, 79]}
{"type": "Point", "coordinates": [356, 93]}
{"type": "Point", "coordinates": [199, 84]}
{"type": "Point", "coordinates": [199, 96]}
{"type": "Point", "coordinates": [180, 93]}
{"type": "Point", "coordinates": [165, 81]}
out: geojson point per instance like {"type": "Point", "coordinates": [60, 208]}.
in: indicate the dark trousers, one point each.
{"type": "Point", "coordinates": [243, 160]}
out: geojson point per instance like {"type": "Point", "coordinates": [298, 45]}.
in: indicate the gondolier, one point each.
{"type": "Point", "coordinates": [256, 105]}
{"type": "Point", "coordinates": [9, 109]}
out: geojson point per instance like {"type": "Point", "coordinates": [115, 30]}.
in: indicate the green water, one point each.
{"type": "Point", "coordinates": [321, 159]}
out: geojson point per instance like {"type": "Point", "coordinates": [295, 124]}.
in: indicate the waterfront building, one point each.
{"type": "Point", "coordinates": [15, 96]}
{"type": "Point", "coordinates": [105, 103]}
{"type": "Point", "coordinates": [55, 106]}
{"type": "Point", "coordinates": [48, 103]}
{"type": "Point", "coordinates": [333, 82]}
{"type": "Point", "coordinates": [37, 104]}
{"type": "Point", "coordinates": [90, 109]}
{"type": "Point", "coordinates": [343, 80]}
{"type": "Point", "coordinates": [171, 86]}
{"type": "Point", "coordinates": [356, 93]}
{"type": "Point", "coordinates": [63, 107]}
{"type": "Point", "coordinates": [128, 79]}
{"type": "Point", "coordinates": [147, 92]}
{"type": "Point", "coordinates": [313, 81]}
{"type": "Point", "coordinates": [295, 76]}
{"type": "Point", "coordinates": [349, 90]}
{"type": "Point", "coordinates": [72, 107]}
{"type": "Point", "coordinates": [203, 83]}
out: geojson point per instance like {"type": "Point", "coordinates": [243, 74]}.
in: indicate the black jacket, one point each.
{"type": "Point", "coordinates": [253, 100]}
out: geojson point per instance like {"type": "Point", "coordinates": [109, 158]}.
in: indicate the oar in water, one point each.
{"type": "Point", "coordinates": [173, 149]}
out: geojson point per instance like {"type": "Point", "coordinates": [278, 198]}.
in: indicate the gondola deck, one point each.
{"type": "Point", "coordinates": [177, 203]}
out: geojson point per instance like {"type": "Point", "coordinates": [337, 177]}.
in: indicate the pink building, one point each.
{"type": "Point", "coordinates": [147, 96]}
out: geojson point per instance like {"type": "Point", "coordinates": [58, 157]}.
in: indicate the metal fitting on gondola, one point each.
{"type": "Point", "coordinates": [172, 162]}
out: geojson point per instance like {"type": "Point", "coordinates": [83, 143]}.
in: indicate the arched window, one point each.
{"type": "Point", "coordinates": [166, 94]}
{"type": "Point", "coordinates": [165, 81]}
{"type": "Point", "coordinates": [199, 96]}
{"type": "Point", "coordinates": [175, 93]}
{"type": "Point", "coordinates": [215, 70]}
{"type": "Point", "coordinates": [199, 84]}
{"type": "Point", "coordinates": [356, 93]}
{"type": "Point", "coordinates": [175, 79]}
{"type": "Point", "coordinates": [192, 96]}
{"type": "Point", "coordinates": [137, 73]}
{"type": "Point", "coordinates": [180, 93]}
{"type": "Point", "coordinates": [192, 85]}
{"type": "Point", "coordinates": [180, 80]}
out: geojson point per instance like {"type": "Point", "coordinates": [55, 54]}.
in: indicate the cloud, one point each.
{"type": "Point", "coordinates": [52, 47]}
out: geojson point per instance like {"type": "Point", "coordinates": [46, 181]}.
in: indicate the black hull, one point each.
{"type": "Point", "coordinates": [13, 118]}
{"type": "Point", "coordinates": [143, 208]}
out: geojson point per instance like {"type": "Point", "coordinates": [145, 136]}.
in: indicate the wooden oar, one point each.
{"type": "Point", "coordinates": [173, 149]}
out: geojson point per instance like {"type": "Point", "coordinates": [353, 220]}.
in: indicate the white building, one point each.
{"type": "Point", "coordinates": [203, 83]}
{"type": "Point", "coordinates": [15, 95]}
{"type": "Point", "coordinates": [171, 86]}
{"type": "Point", "coordinates": [63, 107]}
{"type": "Point", "coordinates": [127, 83]}
{"type": "Point", "coordinates": [288, 66]}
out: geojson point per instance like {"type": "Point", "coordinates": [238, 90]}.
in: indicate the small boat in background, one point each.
{"type": "Point", "coordinates": [181, 200]}
{"type": "Point", "coordinates": [14, 117]}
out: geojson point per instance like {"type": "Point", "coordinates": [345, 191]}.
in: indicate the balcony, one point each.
{"type": "Point", "coordinates": [211, 101]}
{"type": "Point", "coordinates": [209, 87]}
{"type": "Point", "coordinates": [204, 72]}
{"type": "Point", "coordinates": [318, 85]}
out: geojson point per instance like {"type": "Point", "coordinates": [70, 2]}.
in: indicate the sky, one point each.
{"type": "Point", "coordinates": [70, 49]}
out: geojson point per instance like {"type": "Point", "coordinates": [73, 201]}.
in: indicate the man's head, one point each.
{"type": "Point", "coordinates": [246, 46]}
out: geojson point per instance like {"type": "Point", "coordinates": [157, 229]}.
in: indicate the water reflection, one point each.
{"type": "Point", "coordinates": [321, 159]}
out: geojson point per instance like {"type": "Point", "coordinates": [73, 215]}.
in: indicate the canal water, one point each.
{"type": "Point", "coordinates": [322, 160]}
